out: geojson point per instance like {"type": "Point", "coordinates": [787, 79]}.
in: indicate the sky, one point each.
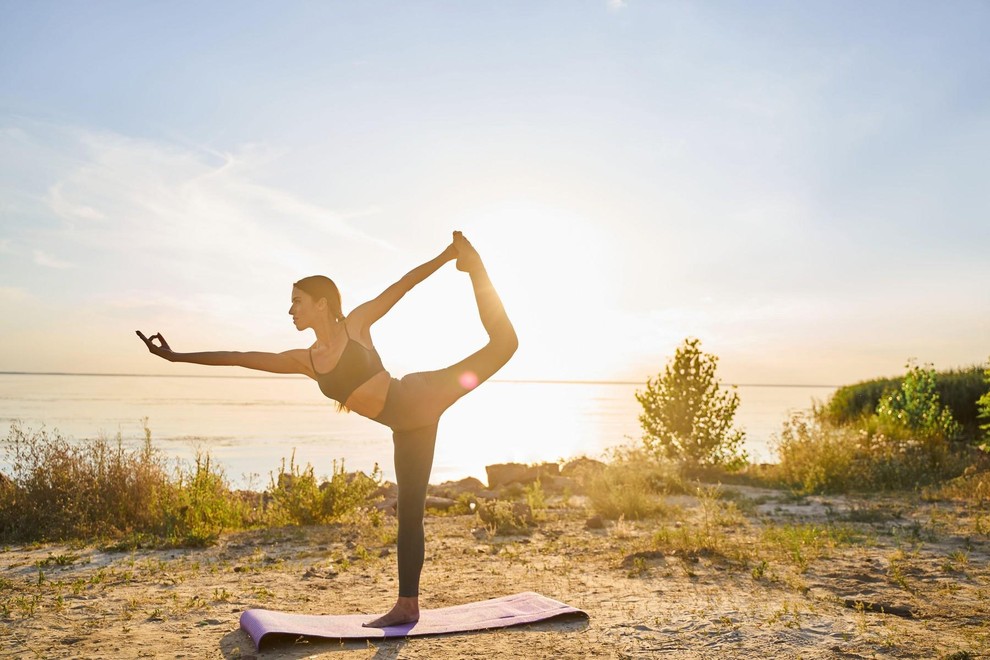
{"type": "Point", "coordinates": [800, 185]}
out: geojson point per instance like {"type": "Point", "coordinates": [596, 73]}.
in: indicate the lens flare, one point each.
{"type": "Point", "coordinates": [468, 380]}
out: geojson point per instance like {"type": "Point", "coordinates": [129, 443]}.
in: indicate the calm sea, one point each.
{"type": "Point", "coordinates": [249, 424]}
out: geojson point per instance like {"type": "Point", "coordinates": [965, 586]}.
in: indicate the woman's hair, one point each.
{"type": "Point", "coordinates": [318, 286]}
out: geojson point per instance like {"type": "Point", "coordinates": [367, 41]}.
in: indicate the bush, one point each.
{"type": "Point", "coordinates": [984, 412]}
{"type": "Point", "coordinates": [687, 416]}
{"type": "Point", "coordinates": [818, 456]}
{"type": "Point", "coordinates": [299, 499]}
{"type": "Point", "coordinates": [915, 409]}
{"type": "Point", "coordinates": [59, 490]}
{"type": "Point", "coordinates": [622, 491]}
{"type": "Point", "coordinates": [630, 486]}
{"type": "Point", "coordinates": [201, 506]}
{"type": "Point", "coordinates": [958, 389]}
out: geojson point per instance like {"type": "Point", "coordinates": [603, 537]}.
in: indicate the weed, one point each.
{"type": "Point", "coordinates": [638, 568]}
{"type": "Point", "coordinates": [627, 488]}
{"type": "Point", "coordinates": [500, 517]}
{"type": "Point", "coordinates": [536, 500]}
{"type": "Point", "coordinates": [58, 560]}
{"type": "Point", "coordinates": [802, 544]}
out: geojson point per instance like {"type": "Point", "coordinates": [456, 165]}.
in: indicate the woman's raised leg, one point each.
{"type": "Point", "coordinates": [460, 378]}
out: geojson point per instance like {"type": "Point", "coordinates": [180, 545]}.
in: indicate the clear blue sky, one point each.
{"type": "Point", "coordinates": [800, 185]}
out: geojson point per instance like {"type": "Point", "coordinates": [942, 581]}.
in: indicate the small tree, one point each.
{"type": "Point", "coordinates": [915, 407]}
{"type": "Point", "coordinates": [984, 405]}
{"type": "Point", "coordinates": [687, 416]}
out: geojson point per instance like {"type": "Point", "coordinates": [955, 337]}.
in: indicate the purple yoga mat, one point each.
{"type": "Point", "coordinates": [526, 607]}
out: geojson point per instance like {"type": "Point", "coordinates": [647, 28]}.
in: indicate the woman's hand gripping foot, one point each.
{"type": "Point", "coordinates": [468, 258]}
{"type": "Point", "coordinates": [406, 610]}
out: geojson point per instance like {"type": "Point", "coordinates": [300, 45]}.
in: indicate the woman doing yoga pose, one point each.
{"type": "Point", "coordinates": [345, 364]}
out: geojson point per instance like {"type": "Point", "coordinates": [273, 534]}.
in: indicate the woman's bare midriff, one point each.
{"type": "Point", "coordinates": [368, 400]}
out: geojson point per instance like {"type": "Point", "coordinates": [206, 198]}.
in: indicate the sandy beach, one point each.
{"type": "Point", "coordinates": [734, 572]}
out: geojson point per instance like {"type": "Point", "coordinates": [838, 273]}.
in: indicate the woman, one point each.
{"type": "Point", "coordinates": [345, 364]}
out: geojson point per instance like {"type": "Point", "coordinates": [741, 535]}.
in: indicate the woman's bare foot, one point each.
{"type": "Point", "coordinates": [406, 610]}
{"type": "Point", "coordinates": [467, 257]}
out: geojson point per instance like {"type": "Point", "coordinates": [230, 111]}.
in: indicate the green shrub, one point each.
{"type": "Point", "coordinates": [915, 408]}
{"type": "Point", "coordinates": [687, 416]}
{"type": "Point", "coordinates": [984, 412]}
{"type": "Point", "coordinates": [201, 506]}
{"type": "Point", "coordinates": [958, 389]}
{"type": "Point", "coordinates": [299, 499]}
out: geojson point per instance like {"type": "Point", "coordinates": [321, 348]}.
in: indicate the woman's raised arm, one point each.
{"type": "Point", "coordinates": [288, 362]}
{"type": "Point", "coordinates": [367, 313]}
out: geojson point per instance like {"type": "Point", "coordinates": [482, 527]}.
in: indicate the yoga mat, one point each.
{"type": "Point", "coordinates": [526, 607]}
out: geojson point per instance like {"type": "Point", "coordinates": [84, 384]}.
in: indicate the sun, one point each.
{"type": "Point", "coordinates": [555, 271]}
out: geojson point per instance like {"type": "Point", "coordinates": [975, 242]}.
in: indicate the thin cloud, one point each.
{"type": "Point", "coordinates": [616, 5]}
{"type": "Point", "coordinates": [13, 294]}
{"type": "Point", "coordinates": [200, 230]}
{"type": "Point", "coordinates": [48, 261]}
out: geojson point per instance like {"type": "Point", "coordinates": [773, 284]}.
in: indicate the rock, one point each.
{"type": "Point", "coordinates": [558, 484]}
{"type": "Point", "coordinates": [454, 489]}
{"type": "Point", "coordinates": [506, 473]}
{"type": "Point", "coordinates": [387, 490]}
{"type": "Point", "coordinates": [581, 467]}
{"type": "Point", "coordinates": [441, 503]}
{"type": "Point", "coordinates": [387, 505]}
{"type": "Point", "coordinates": [594, 522]}
{"type": "Point", "coordinates": [327, 573]}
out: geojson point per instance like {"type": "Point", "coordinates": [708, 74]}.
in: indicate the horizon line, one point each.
{"type": "Point", "coordinates": [535, 381]}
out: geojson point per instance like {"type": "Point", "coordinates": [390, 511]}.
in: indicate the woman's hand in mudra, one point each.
{"type": "Point", "coordinates": [162, 350]}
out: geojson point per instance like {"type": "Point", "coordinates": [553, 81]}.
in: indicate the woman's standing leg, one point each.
{"type": "Point", "coordinates": [413, 463]}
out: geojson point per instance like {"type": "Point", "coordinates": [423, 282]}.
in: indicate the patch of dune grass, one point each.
{"type": "Point", "coordinates": [60, 490]}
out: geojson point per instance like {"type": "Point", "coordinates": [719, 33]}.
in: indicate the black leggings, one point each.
{"type": "Point", "coordinates": [413, 407]}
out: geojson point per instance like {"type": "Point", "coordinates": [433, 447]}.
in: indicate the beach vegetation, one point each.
{"type": "Point", "coordinates": [536, 499]}
{"type": "Point", "coordinates": [687, 414]}
{"type": "Point", "coordinates": [502, 517]}
{"type": "Point", "coordinates": [983, 414]}
{"type": "Point", "coordinates": [299, 498]}
{"type": "Point", "coordinates": [709, 532]}
{"type": "Point", "coordinates": [58, 489]}
{"type": "Point", "coordinates": [910, 440]}
{"type": "Point", "coordinates": [630, 487]}
{"type": "Point", "coordinates": [915, 408]}
{"type": "Point", "coordinates": [960, 390]}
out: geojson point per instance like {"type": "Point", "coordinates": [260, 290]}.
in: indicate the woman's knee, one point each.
{"type": "Point", "coordinates": [505, 342]}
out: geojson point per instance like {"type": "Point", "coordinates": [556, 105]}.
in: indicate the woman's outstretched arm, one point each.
{"type": "Point", "coordinates": [366, 314]}
{"type": "Point", "coordinates": [288, 362]}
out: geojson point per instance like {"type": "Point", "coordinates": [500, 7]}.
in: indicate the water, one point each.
{"type": "Point", "coordinates": [248, 424]}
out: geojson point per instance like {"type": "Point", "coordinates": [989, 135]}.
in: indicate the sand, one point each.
{"type": "Point", "coordinates": [778, 576]}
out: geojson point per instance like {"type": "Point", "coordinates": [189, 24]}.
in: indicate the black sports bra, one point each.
{"type": "Point", "coordinates": [355, 367]}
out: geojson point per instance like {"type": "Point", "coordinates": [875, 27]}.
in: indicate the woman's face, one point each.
{"type": "Point", "coordinates": [304, 310]}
